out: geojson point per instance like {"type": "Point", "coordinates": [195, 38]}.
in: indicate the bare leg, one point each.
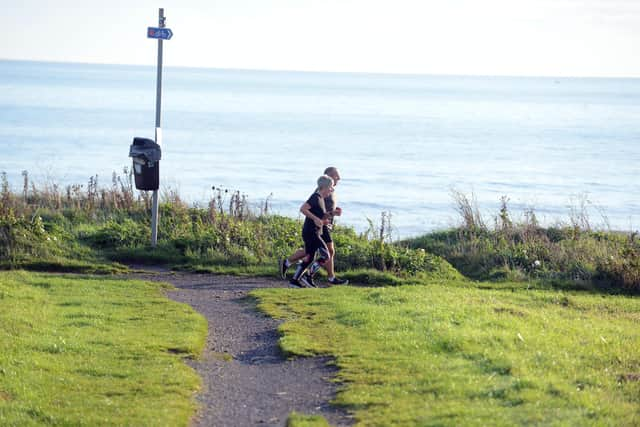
{"type": "Point", "coordinates": [296, 256]}
{"type": "Point", "coordinates": [285, 263]}
{"type": "Point", "coordinates": [329, 264]}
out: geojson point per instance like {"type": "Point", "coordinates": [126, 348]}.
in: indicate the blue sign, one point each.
{"type": "Point", "coordinates": [159, 33]}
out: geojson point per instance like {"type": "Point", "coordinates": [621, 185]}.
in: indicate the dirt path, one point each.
{"type": "Point", "coordinates": [247, 381]}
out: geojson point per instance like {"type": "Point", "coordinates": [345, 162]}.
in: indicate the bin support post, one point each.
{"type": "Point", "coordinates": [154, 200]}
{"type": "Point", "coordinates": [154, 219]}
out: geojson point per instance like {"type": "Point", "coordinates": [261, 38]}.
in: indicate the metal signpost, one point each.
{"type": "Point", "coordinates": [160, 33]}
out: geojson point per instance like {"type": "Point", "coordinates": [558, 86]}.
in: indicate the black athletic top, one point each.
{"type": "Point", "coordinates": [317, 208]}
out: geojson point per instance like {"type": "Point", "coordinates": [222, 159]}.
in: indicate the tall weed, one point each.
{"type": "Point", "coordinates": [523, 250]}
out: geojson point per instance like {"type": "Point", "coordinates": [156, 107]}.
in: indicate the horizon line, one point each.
{"type": "Point", "coordinates": [284, 70]}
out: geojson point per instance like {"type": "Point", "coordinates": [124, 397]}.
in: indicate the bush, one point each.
{"type": "Point", "coordinates": [84, 227]}
{"type": "Point", "coordinates": [120, 234]}
{"type": "Point", "coordinates": [525, 251]}
{"type": "Point", "coordinates": [623, 268]}
{"type": "Point", "coordinates": [24, 239]}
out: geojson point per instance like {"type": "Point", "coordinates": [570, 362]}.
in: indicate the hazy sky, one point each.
{"type": "Point", "coordinates": [495, 37]}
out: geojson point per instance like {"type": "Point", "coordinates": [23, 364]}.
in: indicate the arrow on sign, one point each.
{"type": "Point", "coordinates": [159, 33]}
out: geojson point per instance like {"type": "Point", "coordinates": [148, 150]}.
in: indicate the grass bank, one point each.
{"type": "Point", "coordinates": [99, 230]}
{"type": "Point", "coordinates": [519, 348]}
{"type": "Point", "coordinates": [81, 350]}
{"type": "Point", "coordinates": [457, 354]}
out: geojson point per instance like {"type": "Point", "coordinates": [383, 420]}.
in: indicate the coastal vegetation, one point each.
{"type": "Point", "coordinates": [511, 323]}
{"type": "Point", "coordinates": [99, 230]}
{"type": "Point", "coordinates": [569, 254]}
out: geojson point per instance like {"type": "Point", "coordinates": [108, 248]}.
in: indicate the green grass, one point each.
{"type": "Point", "coordinates": [82, 350]}
{"type": "Point", "coordinates": [460, 355]}
{"type": "Point", "coordinates": [296, 419]}
{"type": "Point", "coordinates": [232, 270]}
{"type": "Point", "coordinates": [65, 265]}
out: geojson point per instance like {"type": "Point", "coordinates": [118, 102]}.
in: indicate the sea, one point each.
{"type": "Point", "coordinates": [563, 148]}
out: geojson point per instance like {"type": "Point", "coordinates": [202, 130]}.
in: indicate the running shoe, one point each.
{"type": "Point", "coordinates": [336, 281]}
{"type": "Point", "coordinates": [293, 283]}
{"type": "Point", "coordinates": [310, 277]}
{"type": "Point", "coordinates": [307, 281]}
{"type": "Point", "coordinates": [283, 268]}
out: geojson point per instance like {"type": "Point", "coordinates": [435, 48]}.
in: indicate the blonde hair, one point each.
{"type": "Point", "coordinates": [324, 181]}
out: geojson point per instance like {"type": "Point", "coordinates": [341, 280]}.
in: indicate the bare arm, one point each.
{"type": "Point", "coordinates": [306, 211]}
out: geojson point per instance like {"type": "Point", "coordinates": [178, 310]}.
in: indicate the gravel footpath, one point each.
{"type": "Point", "coordinates": [246, 379]}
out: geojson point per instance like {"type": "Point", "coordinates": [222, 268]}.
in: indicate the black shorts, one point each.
{"type": "Point", "coordinates": [312, 243]}
{"type": "Point", "coordinates": [326, 235]}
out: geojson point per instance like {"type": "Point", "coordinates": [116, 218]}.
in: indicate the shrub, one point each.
{"type": "Point", "coordinates": [525, 251]}
{"type": "Point", "coordinates": [25, 238]}
{"type": "Point", "coordinates": [118, 234]}
{"type": "Point", "coordinates": [623, 268]}
{"type": "Point", "coordinates": [90, 224]}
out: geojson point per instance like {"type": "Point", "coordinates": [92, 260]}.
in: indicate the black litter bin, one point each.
{"type": "Point", "coordinates": [146, 156]}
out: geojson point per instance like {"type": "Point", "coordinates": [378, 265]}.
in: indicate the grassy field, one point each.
{"type": "Point", "coordinates": [555, 348]}
{"type": "Point", "coordinates": [457, 354]}
{"type": "Point", "coordinates": [80, 350]}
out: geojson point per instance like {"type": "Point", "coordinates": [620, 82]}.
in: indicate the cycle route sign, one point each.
{"type": "Point", "coordinates": [159, 33]}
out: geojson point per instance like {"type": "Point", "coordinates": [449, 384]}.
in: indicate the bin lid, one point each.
{"type": "Point", "coordinates": [145, 147]}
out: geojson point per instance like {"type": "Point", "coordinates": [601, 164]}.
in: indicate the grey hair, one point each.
{"type": "Point", "coordinates": [324, 181]}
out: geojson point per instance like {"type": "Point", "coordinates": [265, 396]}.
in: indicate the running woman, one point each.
{"type": "Point", "coordinates": [315, 212]}
{"type": "Point", "coordinates": [332, 211]}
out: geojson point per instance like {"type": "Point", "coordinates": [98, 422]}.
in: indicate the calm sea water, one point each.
{"type": "Point", "coordinates": [401, 142]}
